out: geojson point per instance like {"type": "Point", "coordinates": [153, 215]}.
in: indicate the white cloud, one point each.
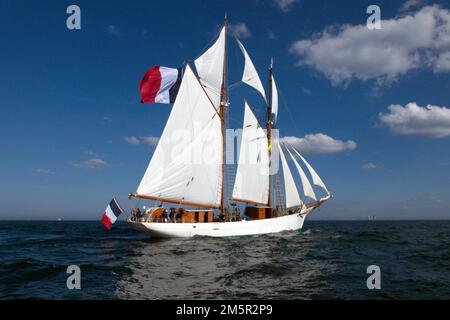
{"type": "Point", "coordinates": [45, 171]}
{"type": "Point", "coordinates": [132, 140]}
{"type": "Point", "coordinates": [412, 119]}
{"type": "Point", "coordinates": [442, 62]}
{"type": "Point", "coordinates": [91, 153]}
{"type": "Point", "coordinates": [240, 30]}
{"type": "Point", "coordinates": [285, 5]}
{"type": "Point", "coordinates": [113, 30]}
{"type": "Point", "coordinates": [91, 164]}
{"type": "Point", "coordinates": [319, 143]}
{"type": "Point", "coordinates": [371, 166]}
{"type": "Point", "coordinates": [148, 140]}
{"type": "Point", "coordinates": [410, 4]}
{"type": "Point", "coordinates": [348, 52]}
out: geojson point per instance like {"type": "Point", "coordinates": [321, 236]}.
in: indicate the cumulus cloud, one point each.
{"type": "Point", "coordinates": [92, 164]}
{"type": "Point", "coordinates": [285, 5]}
{"type": "Point", "coordinates": [412, 119]}
{"type": "Point", "coordinates": [442, 62]}
{"type": "Point", "coordinates": [408, 42]}
{"type": "Point", "coordinates": [319, 143]}
{"type": "Point", "coordinates": [371, 166]}
{"type": "Point", "coordinates": [410, 4]}
{"type": "Point", "coordinates": [240, 30]}
{"type": "Point", "coordinates": [148, 140]}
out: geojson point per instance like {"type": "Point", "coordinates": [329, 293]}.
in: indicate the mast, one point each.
{"type": "Point", "coordinates": [222, 111]}
{"type": "Point", "coordinates": [269, 127]}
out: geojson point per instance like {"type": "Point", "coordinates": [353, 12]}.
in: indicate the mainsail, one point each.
{"type": "Point", "coordinates": [315, 177]}
{"type": "Point", "coordinates": [292, 196]}
{"type": "Point", "coordinates": [307, 188]}
{"type": "Point", "coordinates": [210, 68]}
{"type": "Point", "coordinates": [250, 75]}
{"type": "Point", "coordinates": [252, 176]}
{"type": "Point", "coordinates": [186, 166]}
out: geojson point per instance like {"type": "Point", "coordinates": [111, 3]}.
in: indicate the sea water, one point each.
{"type": "Point", "coordinates": [326, 260]}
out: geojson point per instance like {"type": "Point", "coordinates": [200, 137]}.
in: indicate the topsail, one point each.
{"type": "Point", "coordinates": [274, 99]}
{"type": "Point", "coordinates": [210, 68]}
{"type": "Point", "coordinates": [250, 75]}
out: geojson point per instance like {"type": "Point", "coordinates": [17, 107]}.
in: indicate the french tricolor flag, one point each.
{"type": "Point", "coordinates": [160, 84]}
{"type": "Point", "coordinates": [111, 214]}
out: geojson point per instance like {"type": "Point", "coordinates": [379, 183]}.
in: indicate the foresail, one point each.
{"type": "Point", "coordinates": [315, 177]}
{"type": "Point", "coordinates": [210, 68]}
{"type": "Point", "coordinates": [250, 75]}
{"type": "Point", "coordinates": [292, 196]}
{"type": "Point", "coordinates": [274, 100]}
{"type": "Point", "coordinates": [186, 165]}
{"type": "Point", "coordinates": [252, 176]}
{"type": "Point", "coordinates": [307, 188]}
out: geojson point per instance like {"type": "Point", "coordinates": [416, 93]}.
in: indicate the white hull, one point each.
{"type": "Point", "coordinates": [222, 229]}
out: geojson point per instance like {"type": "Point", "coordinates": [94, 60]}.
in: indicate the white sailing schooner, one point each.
{"type": "Point", "coordinates": [188, 165]}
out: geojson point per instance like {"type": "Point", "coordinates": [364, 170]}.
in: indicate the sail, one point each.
{"type": "Point", "coordinates": [307, 188]}
{"type": "Point", "coordinates": [274, 100]}
{"type": "Point", "coordinates": [210, 68]}
{"type": "Point", "coordinates": [250, 75]}
{"type": "Point", "coordinates": [252, 176]}
{"type": "Point", "coordinates": [315, 177]}
{"type": "Point", "coordinates": [187, 163]}
{"type": "Point", "coordinates": [292, 196]}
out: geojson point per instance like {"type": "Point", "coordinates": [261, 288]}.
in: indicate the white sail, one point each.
{"type": "Point", "coordinates": [250, 75]}
{"type": "Point", "coordinates": [186, 165]}
{"type": "Point", "coordinates": [210, 68]}
{"type": "Point", "coordinates": [307, 188]}
{"type": "Point", "coordinates": [252, 176]}
{"type": "Point", "coordinates": [292, 196]}
{"type": "Point", "coordinates": [315, 177]}
{"type": "Point", "coordinates": [274, 100]}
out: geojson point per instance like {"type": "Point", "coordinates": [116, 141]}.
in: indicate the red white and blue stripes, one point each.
{"type": "Point", "coordinates": [111, 214]}
{"type": "Point", "coordinates": [160, 85]}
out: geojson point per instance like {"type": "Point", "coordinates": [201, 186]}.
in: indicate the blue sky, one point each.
{"type": "Point", "coordinates": [74, 133]}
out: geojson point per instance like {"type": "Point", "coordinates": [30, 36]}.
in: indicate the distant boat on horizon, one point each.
{"type": "Point", "coordinates": [200, 112]}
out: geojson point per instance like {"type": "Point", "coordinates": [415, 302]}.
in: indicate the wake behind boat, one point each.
{"type": "Point", "coordinates": [189, 167]}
